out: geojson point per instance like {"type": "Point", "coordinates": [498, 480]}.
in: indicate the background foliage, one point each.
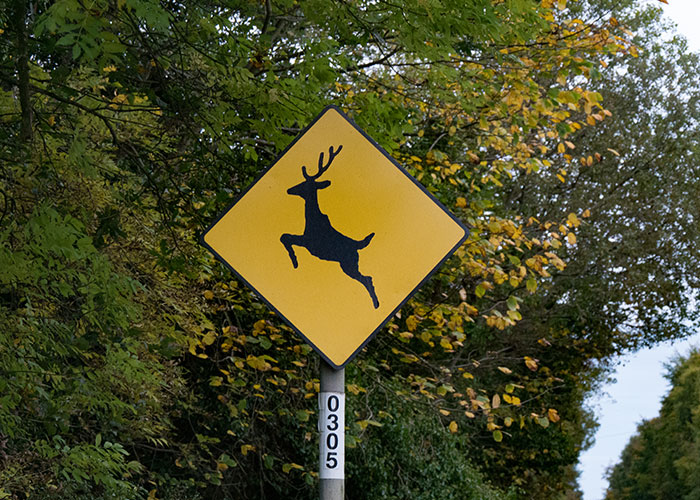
{"type": "Point", "coordinates": [132, 365]}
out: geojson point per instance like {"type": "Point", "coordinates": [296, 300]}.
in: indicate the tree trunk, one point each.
{"type": "Point", "coordinates": [20, 20]}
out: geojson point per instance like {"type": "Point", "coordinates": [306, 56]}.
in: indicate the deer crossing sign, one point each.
{"type": "Point", "coordinates": [335, 249]}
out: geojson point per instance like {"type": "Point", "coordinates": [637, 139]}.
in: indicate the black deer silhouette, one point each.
{"type": "Point", "coordinates": [320, 238]}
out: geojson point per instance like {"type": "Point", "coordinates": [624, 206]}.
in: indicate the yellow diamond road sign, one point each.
{"type": "Point", "coordinates": [335, 236]}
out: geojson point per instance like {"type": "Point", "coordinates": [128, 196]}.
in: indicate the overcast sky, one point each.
{"type": "Point", "coordinates": [640, 385]}
{"type": "Point", "coordinates": [686, 14]}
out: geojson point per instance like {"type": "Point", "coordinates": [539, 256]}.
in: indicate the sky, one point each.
{"type": "Point", "coordinates": [639, 384]}
{"type": "Point", "coordinates": [635, 396]}
{"type": "Point", "coordinates": [686, 14]}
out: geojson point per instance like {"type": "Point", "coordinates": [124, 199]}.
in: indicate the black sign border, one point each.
{"type": "Point", "coordinates": [402, 170]}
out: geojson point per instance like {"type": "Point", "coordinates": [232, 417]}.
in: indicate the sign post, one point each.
{"type": "Point", "coordinates": [335, 236]}
{"type": "Point", "coordinates": [331, 423]}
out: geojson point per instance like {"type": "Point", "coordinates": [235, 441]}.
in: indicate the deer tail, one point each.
{"type": "Point", "coordinates": [364, 242]}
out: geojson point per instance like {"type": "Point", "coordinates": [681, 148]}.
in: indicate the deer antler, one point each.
{"type": "Point", "coordinates": [321, 168]}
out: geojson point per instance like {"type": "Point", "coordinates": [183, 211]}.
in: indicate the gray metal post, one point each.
{"type": "Point", "coordinates": [331, 423]}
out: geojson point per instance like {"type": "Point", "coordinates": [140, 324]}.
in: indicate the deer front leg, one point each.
{"type": "Point", "coordinates": [292, 239]}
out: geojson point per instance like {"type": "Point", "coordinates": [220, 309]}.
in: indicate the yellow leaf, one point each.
{"type": "Point", "coordinates": [496, 401]}
{"type": "Point", "coordinates": [288, 467]}
{"type": "Point", "coordinates": [469, 414]}
{"type": "Point", "coordinates": [508, 421]}
{"type": "Point", "coordinates": [505, 370]}
{"type": "Point", "coordinates": [208, 294]}
{"type": "Point", "coordinates": [353, 389]}
{"type": "Point", "coordinates": [257, 363]}
{"type": "Point", "coordinates": [221, 466]}
{"type": "Point", "coordinates": [614, 152]}
{"type": "Point", "coordinates": [209, 338]}
{"type": "Point", "coordinates": [586, 213]}
{"type": "Point", "coordinates": [51, 120]}
{"type": "Point", "coordinates": [445, 412]}
{"type": "Point", "coordinates": [561, 148]}
{"type": "Point", "coordinates": [573, 220]}
{"type": "Point", "coordinates": [193, 349]}
{"type": "Point", "coordinates": [553, 415]}
{"type": "Point", "coordinates": [452, 427]}
{"type": "Point", "coordinates": [461, 202]}
{"type": "Point", "coordinates": [467, 375]}
{"type": "Point", "coordinates": [245, 448]}
{"type": "Point", "coordinates": [531, 363]}
{"type": "Point", "coordinates": [571, 238]}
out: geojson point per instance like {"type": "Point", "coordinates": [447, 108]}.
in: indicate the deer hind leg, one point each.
{"type": "Point", "coordinates": [292, 239]}
{"type": "Point", "coordinates": [350, 267]}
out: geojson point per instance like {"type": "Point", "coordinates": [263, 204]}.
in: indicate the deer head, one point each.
{"type": "Point", "coordinates": [310, 184]}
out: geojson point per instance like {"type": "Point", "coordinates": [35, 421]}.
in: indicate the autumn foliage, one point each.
{"type": "Point", "coordinates": [133, 365]}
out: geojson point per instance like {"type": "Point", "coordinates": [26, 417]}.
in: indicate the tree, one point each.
{"type": "Point", "coordinates": [661, 460]}
{"type": "Point", "coordinates": [629, 279]}
{"type": "Point", "coordinates": [136, 366]}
